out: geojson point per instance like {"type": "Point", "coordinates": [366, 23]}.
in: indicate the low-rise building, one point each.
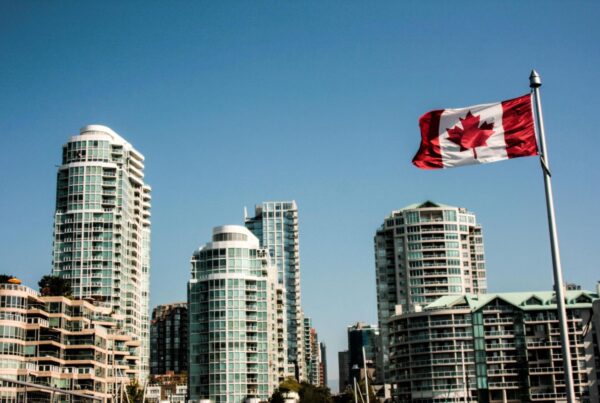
{"type": "Point", "coordinates": [494, 348]}
{"type": "Point", "coordinates": [169, 387]}
{"type": "Point", "coordinates": [62, 343]}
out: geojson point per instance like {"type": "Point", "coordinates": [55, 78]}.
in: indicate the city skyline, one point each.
{"type": "Point", "coordinates": [316, 103]}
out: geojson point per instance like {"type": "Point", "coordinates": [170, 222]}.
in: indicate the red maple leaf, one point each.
{"type": "Point", "coordinates": [471, 135]}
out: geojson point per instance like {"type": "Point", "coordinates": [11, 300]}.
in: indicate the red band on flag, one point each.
{"type": "Point", "coordinates": [519, 132]}
{"type": "Point", "coordinates": [429, 155]}
{"type": "Point", "coordinates": [477, 134]}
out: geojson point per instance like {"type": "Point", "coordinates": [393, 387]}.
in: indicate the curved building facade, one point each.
{"type": "Point", "coordinates": [232, 306]}
{"type": "Point", "coordinates": [422, 252]}
{"type": "Point", "coordinates": [102, 228]}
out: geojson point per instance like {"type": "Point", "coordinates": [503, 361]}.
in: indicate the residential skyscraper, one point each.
{"type": "Point", "coordinates": [232, 300]}
{"type": "Point", "coordinates": [169, 339]}
{"type": "Point", "coordinates": [102, 228]}
{"type": "Point", "coordinates": [275, 224]}
{"type": "Point", "coordinates": [422, 252]}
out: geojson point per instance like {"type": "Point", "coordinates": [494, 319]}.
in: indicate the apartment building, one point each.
{"type": "Point", "coordinates": [422, 252]}
{"type": "Point", "coordinates": [494, 348]}
{"type": "Point", "coordinates": [232, 302]}
{"type": "Point", "coordinates": [275, 224]}
{"type": "Point", "coordinates": [102, 228]}
{"type": "Point", "coordinates": [63, 343]}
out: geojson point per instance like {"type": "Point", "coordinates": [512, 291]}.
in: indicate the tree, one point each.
{"type": "Point", "coordinates": [289, 385]}
{"type": "Point", "coordinates": [361, 388]}
{"type": "Point", "coordinates": [277, 397]}
{"type": "Point", "coordinates": [53, 286]}
{"type": "Point", "coordinates": [314, 394]}
{"type": "Point", "coordinates": [346, 397]}
{"type": "Point", "coordinates": [5, 277]}
{"type": "Point", "coordinates": [134, 392]}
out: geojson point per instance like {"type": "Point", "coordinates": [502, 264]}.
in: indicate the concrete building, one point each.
{"type": "Point", "coordinates": [63, 343]}
{"type": "Point", "coordinates": [169, 339]}
{"type": "Point", "coordinates": [232, 300]}
{"type": "Point", "coordinates": [422, 252]}
{"type": "Point", "coordinates": [102, 228]}
{"type": "Point", "coordinates": [495, 348]}
{"type": "Point", "coordinates": [275, 224]}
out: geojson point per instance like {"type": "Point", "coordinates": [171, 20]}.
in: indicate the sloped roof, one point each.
{"type": "Point", "coordinates": [543, 300]}
{"type": "Point", "coordinates": [425, 204]}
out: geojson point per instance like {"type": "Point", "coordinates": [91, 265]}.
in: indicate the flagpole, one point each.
{"type": "Point", "coordinates": [535, 82]}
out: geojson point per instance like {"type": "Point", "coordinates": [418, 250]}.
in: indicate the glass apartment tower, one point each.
{"type": "Point", "coordinates": [102, 228]}
{"type": "Point", "coordinates": [232, 302]}
{"type": "Point", "coordinates": [275, 224]}
{"type": "Point", "coordinates": [422, 252]}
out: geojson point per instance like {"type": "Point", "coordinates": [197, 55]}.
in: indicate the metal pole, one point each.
{"type": "Point", "coordinates": [535, 82]}
{"type": "Point", "coordinates": [355, 394]}
{"type": "Point", "coordinates": [366, 374]}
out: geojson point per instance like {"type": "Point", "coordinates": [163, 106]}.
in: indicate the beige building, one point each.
{"type": "Point", "coordinates": [62, 343]}
{"type": "Point", "coordinates": [494, 348]}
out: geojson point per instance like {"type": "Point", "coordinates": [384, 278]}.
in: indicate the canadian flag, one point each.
{"type": "Point", "coordinates": [477, 135]}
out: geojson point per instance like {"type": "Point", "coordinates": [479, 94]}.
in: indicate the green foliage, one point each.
{"type": "Point", "coordinates": [346, 397]}
{"type": "Point", "coordinates": [277, 397]}
{"type": "Point", "coordinates": [289, 385]}
{"type": "Point", "coordinates": [308, 393]}
{"type": "Point", "coordinates": [314, 394]}
{"type": "Point", "coordinates": [53, 286]}
{"type": "Point", "coordinates": [134, 392]}
{"type": "Point", "coordinates": [5, 277]}
{"type": "Point", "coordinates": [361, 387]}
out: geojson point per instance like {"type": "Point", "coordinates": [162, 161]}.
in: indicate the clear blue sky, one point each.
{"type": "Point", "coordinates": [234, 103]}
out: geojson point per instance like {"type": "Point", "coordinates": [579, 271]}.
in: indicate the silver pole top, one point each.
{"type": "Point", "coordinates": [535, 80]}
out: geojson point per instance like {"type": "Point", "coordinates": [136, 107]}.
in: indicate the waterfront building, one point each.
{"type": "Point", "coordinates": [422, 252]}
{"type": "Point", "coordinates": [64, 343]}
{"type": "Point", "coordinates": [169, 339]}
{"type": "Point", "coordinates": [275, 224]}
{"type": "Point", "coordinates": [102, 228]}
{"type": "Point", "coordinates": [232, 301]}
{"type": "Point", "coordinates": [495, 348]}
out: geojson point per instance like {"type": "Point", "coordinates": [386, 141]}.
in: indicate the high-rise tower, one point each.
{"type": "Point", "coordinates": [275, 224]}
{"type": "Point", "coordinates": [232, 302]}
{"type": "Point", "coordinates": [422, 252]}
{"type": "Point", "coordinates": [102, 228]}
